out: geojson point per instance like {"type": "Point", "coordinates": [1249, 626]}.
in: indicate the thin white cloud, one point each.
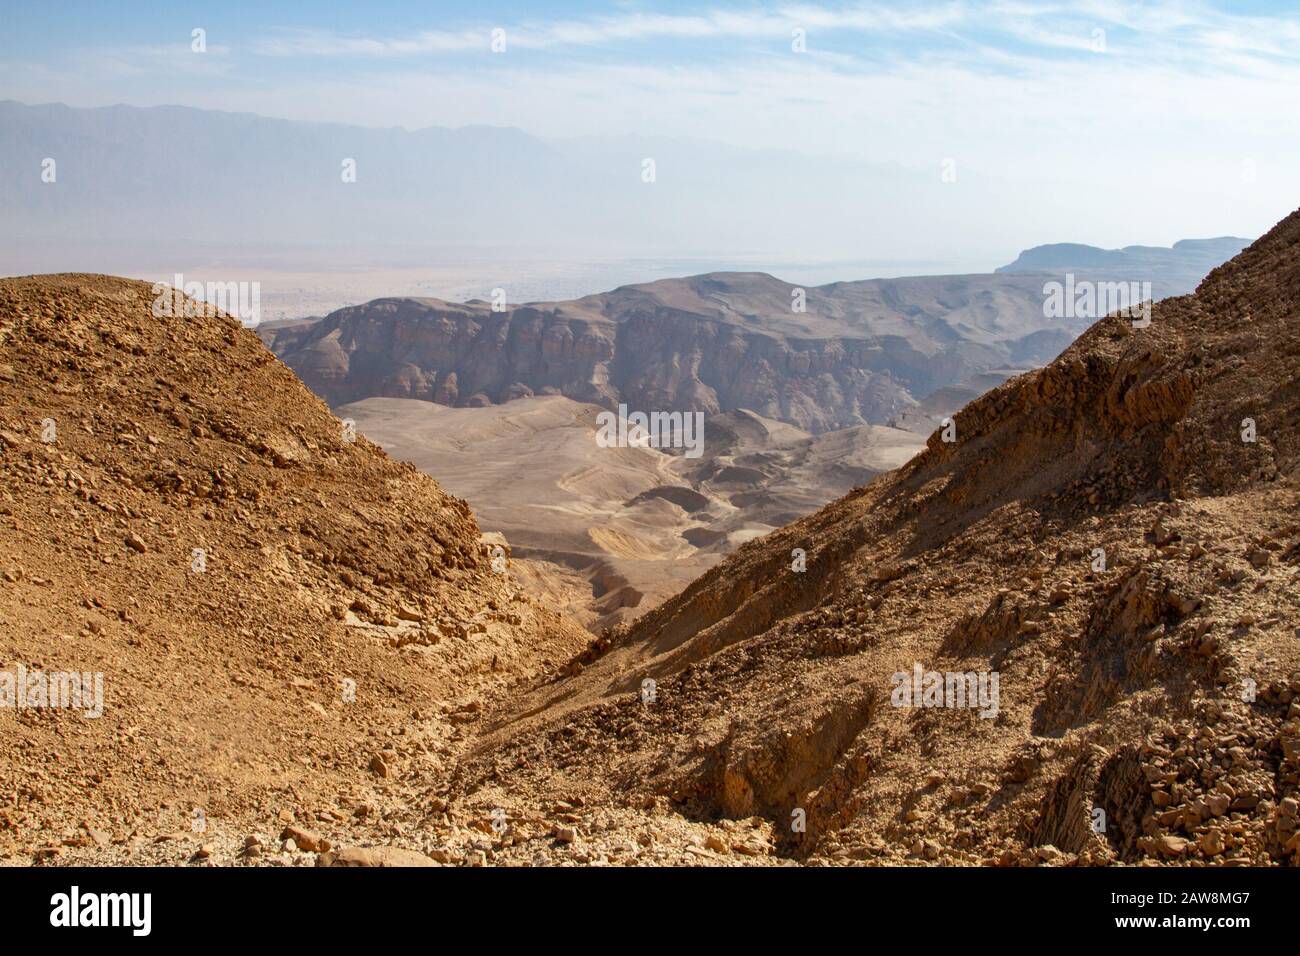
{"type": "Point", "coordinates": [631, 26]}
{"type": "Point", "coordinates": [321, 43]}
{"type": "Point", "coordinates": [1174, 29]}
{"type": "Point", "coordinates": [175, 61]}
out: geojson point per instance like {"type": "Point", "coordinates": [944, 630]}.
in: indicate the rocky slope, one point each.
{"type": "Point", "coordinates": [305, 645]}
{"type": "Point", "coordinates": [290, 626]}
{"type": "Point", "coordinates": [1115, 536]}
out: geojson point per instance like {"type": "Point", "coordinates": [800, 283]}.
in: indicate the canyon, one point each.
{"type": "Point", "coordinates": [351, 677]}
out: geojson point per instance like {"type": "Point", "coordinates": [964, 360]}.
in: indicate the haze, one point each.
{"type": "Point", "coordinates": [1081, 123]}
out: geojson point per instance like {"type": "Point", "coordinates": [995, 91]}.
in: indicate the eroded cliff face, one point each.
{"type": "Point", "coordinates": [450, 354]}
{"type": "Point", "coordinates": [674, 360]}
{"type": "Point", "coordinates": [860, 353]}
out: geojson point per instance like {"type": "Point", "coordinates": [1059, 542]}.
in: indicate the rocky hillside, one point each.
{"type": "Point", "coordinates": [867, 352]}
{"type": "Point", "coordinates": [1115, 538]}
{"type": "Point", "coordinates": [290, 626]}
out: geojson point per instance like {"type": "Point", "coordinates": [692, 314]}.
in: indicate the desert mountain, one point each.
{"type": "Point", "coordinates": [1183, 264]}
{"type": "Point", "coordinates": [903, 352]}
{"type": "Point", "coordinates": [289, 625]}
{"type": "Point", "coordinates": [1114, 537]}
{"type": "Point", "coordinates": [607, 533]}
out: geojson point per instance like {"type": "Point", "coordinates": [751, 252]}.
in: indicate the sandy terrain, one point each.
{"type": "Point", "coordinates": [614, 531]}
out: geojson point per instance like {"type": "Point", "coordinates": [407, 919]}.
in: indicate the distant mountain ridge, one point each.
{"type": "Point", "coordinates": [123, 181]}
{"type": "Point", "coordinates": [902, 352]}
{"type": "Point", "coordinates": [120, 173]}
{"type": "Point", "coordinates": [1185, 258]}
{"type": "Point", "coordinates": [122, 177]}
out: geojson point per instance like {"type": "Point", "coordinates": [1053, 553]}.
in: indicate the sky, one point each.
{"type": "Point", "coordinates": [1125, 122]}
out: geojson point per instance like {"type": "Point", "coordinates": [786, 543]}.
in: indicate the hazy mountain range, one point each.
{"type": "Point", "coordinates": [138, 174]}
{"type": "Point", "coordinates": [171, 179]}
{"type": "Point", "coordinates": [1174, 269]}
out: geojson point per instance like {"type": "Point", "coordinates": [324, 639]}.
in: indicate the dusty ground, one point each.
{"type": "Point", "coordinates": [345, 615]}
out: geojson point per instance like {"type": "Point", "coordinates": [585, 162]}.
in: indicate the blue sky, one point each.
{"type": "Point", "coordinates": [38, 31]}
{"type": "Point", "coordinates": [1177, 114]}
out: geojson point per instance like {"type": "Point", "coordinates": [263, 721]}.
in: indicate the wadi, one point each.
{"type": "Point", "coordinates": [350, 679]}
{"type": "Point", "coordinates": [764, 410]}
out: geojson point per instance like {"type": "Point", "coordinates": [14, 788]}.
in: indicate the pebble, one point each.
{"type": "Point", "coordinates": [305, 839]}
{"type": "Point", "coordinates": [1171, 845]}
